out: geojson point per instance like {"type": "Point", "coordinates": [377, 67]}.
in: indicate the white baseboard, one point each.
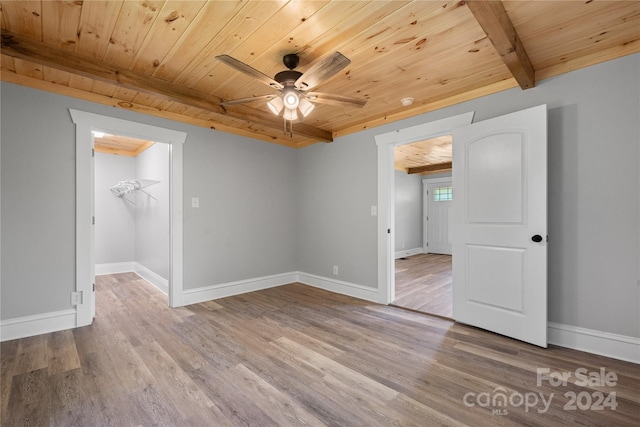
{"type": "Point", "coordinates": [408, 252]}
{"type": "Point", "coordinates": [591, 341]}
{"type": "Point", "coordinates": [207, 293]}
{"type": "Point", "coordinates": [340, 287]}
{"type": "Point", "coordinates": [38, 324]}
{"type": "Point", "coordinates": [152, 277]}
{"type": "Point", "coordinates": [114, 268]}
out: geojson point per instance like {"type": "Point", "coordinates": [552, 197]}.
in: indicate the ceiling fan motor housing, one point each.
{"type": "Point", "coordinates": [291, 60]}
{"type": "Point", "coordinates": [288, 77]}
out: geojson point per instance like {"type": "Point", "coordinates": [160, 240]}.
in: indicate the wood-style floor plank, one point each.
{"type": "Point", "coordinates": [423, 283]}
{"type": "Point", "coordinates": [292, 355]}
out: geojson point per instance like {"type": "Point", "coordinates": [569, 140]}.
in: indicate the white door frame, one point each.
{"type": "Point", "coordinates": [386, 192]}
{"type": "Point", "coordinates": [425, 207]}
{"type": "Point", "coordinates": [85, 193]}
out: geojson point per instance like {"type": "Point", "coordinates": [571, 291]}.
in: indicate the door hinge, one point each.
{"type": "Point", "coordinates": [388, 231]}
{"type": "Point", "coordinates": [94, 287]}
{"type": "Point", "coordinates": [93, 220]}
{"type": "Point", "coordinates": [93, 152]}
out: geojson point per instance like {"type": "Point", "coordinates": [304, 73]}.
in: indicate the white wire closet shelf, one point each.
{"type": "Point", "coordinates": [131, 185]}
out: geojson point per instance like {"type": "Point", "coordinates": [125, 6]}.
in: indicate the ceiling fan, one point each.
{"type": "Point", "coordinates": [294, 86]}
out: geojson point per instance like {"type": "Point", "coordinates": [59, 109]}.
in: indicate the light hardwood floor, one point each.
{"type": "Point", "coordinates": [423, 283]}
{"type": "Point", "coordinates": [291, 355]}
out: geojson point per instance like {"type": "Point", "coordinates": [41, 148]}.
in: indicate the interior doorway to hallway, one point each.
{"type": "Point", "coordinates": [423, 218]}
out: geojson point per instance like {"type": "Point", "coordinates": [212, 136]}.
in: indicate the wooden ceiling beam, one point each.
{"type": "Point", "coordinates": [430, 168]}
{"type": "Point", "coordinates": [28, 49]}
{"type": "Point", "coordinates": [493, 18]}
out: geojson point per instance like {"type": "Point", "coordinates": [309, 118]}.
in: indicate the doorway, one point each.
{"type": "Point", "coordinates": [501, 252]}
{"type": "Point", "coordinates": [423, 244]}
{"type": "Point", "coordinates": [132, 208]}
{"type": "Point", "coordinates": [386, 192]}
{"type": "Point", "coordinates": [86, 123]}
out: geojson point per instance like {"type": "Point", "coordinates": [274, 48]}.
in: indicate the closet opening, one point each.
{"type": "Point", "coordinates": [87, 123]}
{"type": "Point", "coordinates": [132, 204]}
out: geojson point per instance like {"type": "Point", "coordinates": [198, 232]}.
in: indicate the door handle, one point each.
{"type": "Point", "coordinates": [536, 238]}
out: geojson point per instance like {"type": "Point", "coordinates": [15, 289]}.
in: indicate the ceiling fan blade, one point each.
{"type": "Point", "coordinates": [245, 100]}
{"type": "Point", "coordinates": [322, 70]}
{"type": "Point", "coordinates": [248, 70]}
{"type": "Point", "coordinates": [333, 99]}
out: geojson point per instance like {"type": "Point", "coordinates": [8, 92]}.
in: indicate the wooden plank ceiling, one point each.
{"type": "Point", "coordinates": [118, 144]}
{"type": "Point", "coordinates": [424, 157]}
{"type": "Point", "coordinates": [158, 57]}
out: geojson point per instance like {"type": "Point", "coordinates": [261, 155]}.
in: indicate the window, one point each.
{"type": "Point", "coordinates": [442, 194]}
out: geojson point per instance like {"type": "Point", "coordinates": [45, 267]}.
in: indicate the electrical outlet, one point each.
{"type": "Point", "coordinates": [76, 298]}
{"type": "Point", "coordinates": [335, 270]}
{"type": "Point", "coordinates": [195, 202]}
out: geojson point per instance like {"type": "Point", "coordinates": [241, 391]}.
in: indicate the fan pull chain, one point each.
{"type": "Point", "coordinates": [290, 130]}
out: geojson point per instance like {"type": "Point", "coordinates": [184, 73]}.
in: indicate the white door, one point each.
{"type": "Point", "coordinates": [500, 225]}
{"type": "Point", "coordinates": [438, 198]}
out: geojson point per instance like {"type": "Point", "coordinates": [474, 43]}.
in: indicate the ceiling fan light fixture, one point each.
{"type": "Point", "coordinates": [290, 114]}
{"type": "Point", "coordinates": [305, 107]}
{"type": "Point", "coordinates": [275, 105]}
{"type": "Point", "coordinates": [290, 98]}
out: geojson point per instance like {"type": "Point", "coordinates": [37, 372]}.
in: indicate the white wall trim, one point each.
{"type": "Point", "coordinates": [152, 277]}
{"type": "Point", "coordinates": [207, 293]}
{"type": "Point", "coordinates": [409, 252]}
{"type": "Point", "coordinates": [85, 123]}
{"type": "Point", "coordinates": [340, 287]}
{"type": "Point", "coordinates": [39, 324]}
{"type": "Point", "coordinates": [114, 268]}
{"type": "Point", "coordinates": [591, 341]}
{"type": "Point", "coordinates": [606, 344]}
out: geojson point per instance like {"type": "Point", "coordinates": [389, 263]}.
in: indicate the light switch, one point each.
{"type": "Point", "coordinates": [195, 202]}
{"type": "Point", "coordinates": [374, 211]}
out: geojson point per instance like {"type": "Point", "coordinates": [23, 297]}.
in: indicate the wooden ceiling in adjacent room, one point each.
{"type": "Point", "coordinates": [121, 145]}
{"type": "Point", "coordinates": [158, 57]}
{"type": "Point", "coordinates": [429, 156]}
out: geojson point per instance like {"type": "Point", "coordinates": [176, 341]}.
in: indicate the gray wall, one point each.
{"type": "Point", "coordinates": [38, 203]}
{"type": "Point", "coordinates": [267, 209]}
{"type": "Point", "coordinates": [152, 210]}
{"type": "Point", "coordinates": [115, 229]}
{"type": "Point", "coordinates": [336, 189]}
{"type": "Point", "coordinates": [408, 205]}
{"type": "Point", "coordinates": [594, 192]}
{"type": "Point", "coordinates": [243, 229]}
